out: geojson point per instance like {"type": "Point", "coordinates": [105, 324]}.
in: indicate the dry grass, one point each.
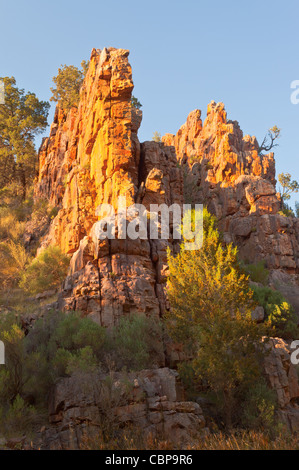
{"type": "Point", "coordinates": [132, 439]}
{"type": "Point", "coordinates": [248, 440]}
{"type": "Point", "coordinates": [10, 227]}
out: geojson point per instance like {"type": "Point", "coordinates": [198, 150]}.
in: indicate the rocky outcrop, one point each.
{"type": "Point", "coordinates": [92, 157]}
{"type": "Point", "coordinates": [224, 170]}
{"type": "Point", "coordinates": [150, 401]}
{"type": "Point", "coordinates": [283, 379]}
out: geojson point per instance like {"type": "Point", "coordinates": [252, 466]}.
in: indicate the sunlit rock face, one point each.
{"type": "Point", "coordinates": [93, 155]}
{"type": "Point", "coordinates": [224, 170]}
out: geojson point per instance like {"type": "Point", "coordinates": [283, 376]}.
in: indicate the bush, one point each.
{"type": "Point", "coordinates": [259, 410]}
{"type": "Point", "coordinates": [279, 313]}
{"type": "Point", "coordinates": [46, 272]}
{"type": "Point", "coordinates": [19, 419]}
{"type": "Point", "coordinates": [157, 137]}
{"type": "Point", "coordinates": [10, 227]}
{"type": "Point", "coordinates": [73, 333]}
{"type": "Point", "coordinates": [257, 272]}
{"type": "Point", "coordinates": [211, 317]}
{"type": "Point", "coordinates": [14, 258]}
{"type": "Point", "coordinates": [135, 343]}
{"type": "Point", "coordinates": [60, 345]}
{"type": "Point", "coordinates": [12, 377]}
{"type": "Point", "coordinates": [135, 103]}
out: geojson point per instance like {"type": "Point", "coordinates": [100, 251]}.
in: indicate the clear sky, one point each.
{"type": "Point", "coordinates": [183, 53]}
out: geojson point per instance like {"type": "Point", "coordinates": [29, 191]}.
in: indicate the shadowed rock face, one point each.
{"type": "Point", "coordinates": [156, 406]}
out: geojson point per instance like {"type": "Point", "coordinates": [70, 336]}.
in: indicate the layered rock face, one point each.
{"type": "Point", "coordinates": [223, 170]}
{"type": "Point", "coordinates": [92, 157]}
{"type": "Point", "coordinates": [283, 378]}
{"type": "Point", "coordinates": [155, 404]}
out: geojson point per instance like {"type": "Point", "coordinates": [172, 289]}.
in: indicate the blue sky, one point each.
{"type": "Point", "coordinates": [183, 54]}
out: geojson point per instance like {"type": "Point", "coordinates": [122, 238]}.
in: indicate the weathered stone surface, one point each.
{"type": "Point", "coordinates": [155, 406]}
{"type": "Point", "coordinates": [91, 157]}
{"type": "Point", "coordinates": [258, 314]}
{"type": "Point", "coordinates": [224, 171]}
{"type": "Point", "coordinates": [283, 378]}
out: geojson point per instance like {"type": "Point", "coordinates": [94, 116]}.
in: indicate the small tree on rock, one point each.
{"type": "Point", "coordinates": [68, 82]}
{"type": "Point", "coordinates": [288, 186]}
{"type": "Point", "coordinates": [269, 141]}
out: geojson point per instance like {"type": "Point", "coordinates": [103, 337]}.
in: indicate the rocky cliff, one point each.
{"type": "Point", "coordinates": [92, 156]}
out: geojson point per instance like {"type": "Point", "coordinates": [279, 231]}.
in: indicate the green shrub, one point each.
{"type": "Point", "coordinates": [74, 332]}
{"type": "Point", "coordinates": [135, 103]}
{"type": "Point", "coordinates": [135, 343]}
{"type": "Point", "coordinates": [60, 345]}
{"type": "Point", "coordinates": [279, 313]}
{"type": "Point", "coordinates": [257, 272]}
{"type": "Point", "coordinates": [46, 272]}
{"type": "Point", "coordinates": [259, 407]}
{"type": "Point", "coordinates": [14, 258]}
{"type": "Point", "coordinates": [210, 316]}
{"type": "Point", "coordinates": [19, 419]}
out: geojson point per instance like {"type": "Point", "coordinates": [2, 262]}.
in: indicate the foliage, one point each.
{"type": "Point", "coordinates": [14, 259]}
{"type": "Point", "coordinates": [211, 316]}
{"type": "Point", "coordinates": [22, 118]}
{"type": "Point", "coordinates": [279, 313]}
{"type": "Point", "coordinates": [297, 209]}
{"type": "Point", "coordinates": [156, 137]}
{"type": "Point", "coordinates": [133, 439]}
{"type": "Point", "coordinates": [12, 376]}
{"type": "Point", "coordinates": [19, 418]}
{"type": "Point", "coordinates": [68, 82]}
{"type": "Point", "coordinates": [257, 272]}
{"type": "Point", "coordinates": [60, 345]}
{"type": "Point", "coordinates": [260, 406]}
{"type": "Point", "coordinates": [288, 186]}
{"type": "Point", "coordinates": [136, 342]}
{"type": "Point", "coordinates": [135, 103]}
{"type": "Point", "coordinates": [45, 272]}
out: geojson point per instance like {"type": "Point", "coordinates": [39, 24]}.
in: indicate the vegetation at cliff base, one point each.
{"type": "Point", "coordinates": [47, 271]}
{"type": "Point", "coordinates": [62, 345]}
{"type": "Point", "coordinates": [269, 141]}
{"type": "Point", "coordinates": [211, 316]}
